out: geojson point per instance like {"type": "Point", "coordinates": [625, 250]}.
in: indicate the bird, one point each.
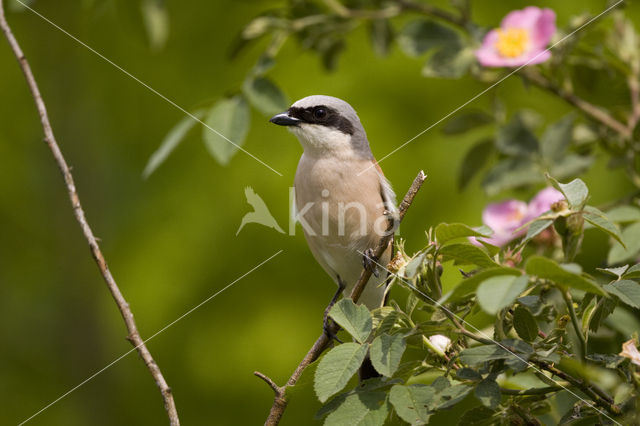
{"type": "Point", "coordinates": [342, 199]}
{"type": "Point", "coordinates": [260, 213]}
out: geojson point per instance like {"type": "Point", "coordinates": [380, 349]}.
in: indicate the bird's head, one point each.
{"type": "Point", "coordinates": [325, 126]}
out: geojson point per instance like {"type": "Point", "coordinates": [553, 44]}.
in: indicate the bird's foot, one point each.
{"type": "Point", "coordinates": [328, 325]}
{"type": "Point", "coordinates": [370, 262]}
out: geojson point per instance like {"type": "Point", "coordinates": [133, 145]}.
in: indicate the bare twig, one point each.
{"type": "Point", "coordinates": [123, 306]}
{"type": "Point", "coordinates": [280, 401]}
{"type": "Point", "coordinates": [593, 111]}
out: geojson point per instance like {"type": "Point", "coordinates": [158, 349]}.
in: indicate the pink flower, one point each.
{"type": "Point", "coordinates": [542, 202]}
{"type": "Point", "coordinates": [506, 217]}
{"type": "Point", "coordinates": [521, 39]}
{"type": "Point", "coordinates": [629, 350]}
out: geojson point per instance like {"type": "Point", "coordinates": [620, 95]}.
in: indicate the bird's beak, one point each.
{"type": "Point", "coordinates": [284, 119]}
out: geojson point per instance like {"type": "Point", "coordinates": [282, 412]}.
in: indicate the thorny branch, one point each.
{"type": "Point", "coordinates": [280, 401]}
{"type": "Point", "coordinates": [123, 306]}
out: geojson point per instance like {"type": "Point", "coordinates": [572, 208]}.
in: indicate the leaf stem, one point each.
{"type": "Point", "coordinates": [568, 300]}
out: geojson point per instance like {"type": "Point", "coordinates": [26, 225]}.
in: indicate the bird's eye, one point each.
{"type": "Point", "coordinates": [320, 113]}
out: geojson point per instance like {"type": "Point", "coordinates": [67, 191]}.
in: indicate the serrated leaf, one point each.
{"type": "Point", "coordinates": [556, 139]}
{"type": "Point", "coordinates": [488, 392]}
{"type": "Point", "coordinates": [171, 141]}
{"type": "Point", "coordinates": [633, 272]}
{"type": "Point", "coordinates": [411, 402]}
{"type": "Point", "coordinates": [624, 214]}
{"type": "Point", "coordinates": [227, 125]}
{"type": "Point", "coordinates": [446, 232]}
{"type": "Point", "coordinates": [480, 354]}
{"type": "Point", "coordinates": [336, 369]}
{"type": "Point", "coordinates": [474, 160]}
{"type": "Point", "coordinates": [467, 254]}
{"type": "Point", "coordinates": [627, 291]}
{"type": "Point", "coordinates": [631, 237]}
{"type": "Point", "coordinates": [525, 324]}
{"type": "Point", "coordinates": [360, 409]}
{"type": "Point", "coordinates": [550, 270]}
{"type": "Point", "coordinates": [414, 265]}
{"type": "Point", "coordinates": [616, 272]}
{"type": "Point", "coordinates": [499, 292]}
{"type": "Point", "coordinates": [515, 139]}
{"type": "Point", "coordinates": [386, 352]}
{"type": "Point", "coordinates": [355, 319]}
{"type": "Point", "coordinates": [420, 35]}
{"type": "Point", "coordinates": [265, 96]}
{"type": "Point", "coordinates": [477, 416]}
{"type": "Point", "coordinates": [570, 165]}
{"type": "Point", "coordinates": [469, 285]}
{"type": "Point", "coordinates": [451, 396]}
{"type": "Point", "coordinates": [465, 121]}
{"type": "Point", "coordinates": [466, 373]}
{"type": "Point", "coordinates": [600, 221]}
{"type": "Point", "coordinates": [576, 192]}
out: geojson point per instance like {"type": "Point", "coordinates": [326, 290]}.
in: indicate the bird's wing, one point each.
{"type": "Point", "coordinates": [386, 191]}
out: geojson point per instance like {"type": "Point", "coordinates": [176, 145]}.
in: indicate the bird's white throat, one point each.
{"type": "Point", "coordinates": [323, 141]}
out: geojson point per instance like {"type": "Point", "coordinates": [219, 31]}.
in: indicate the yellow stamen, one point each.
{"type": "Point", "coordinates": [512, 42]}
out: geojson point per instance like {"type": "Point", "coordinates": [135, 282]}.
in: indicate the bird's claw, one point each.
{"type": "Point", "coordinates": [370, 262]}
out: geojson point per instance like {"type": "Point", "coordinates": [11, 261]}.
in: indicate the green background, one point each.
{"type": "Point", "coordinates": [170, 240]}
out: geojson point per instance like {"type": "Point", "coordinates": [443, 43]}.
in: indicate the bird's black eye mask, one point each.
{"type": "Point", "coordinates": [323, 116]}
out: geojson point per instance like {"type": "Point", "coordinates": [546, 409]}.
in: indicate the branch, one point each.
{"type": "Point", "coordinates": [593, 111]}
{"type": "Point", "coordinates": [532, 391]}
{"type": "Point", "coordinates": [280, 401]}
{"type": "Point", "coordinates": [123, 306]}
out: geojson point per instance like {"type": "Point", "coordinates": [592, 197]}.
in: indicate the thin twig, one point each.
{"type": "Point", "coordinates": [568, 300]}
{"type": "Point", "coordinates": [123, 306]}
{"type": "Point", "coordinates": [532, 391]}
{"type": "Point", "coordinates": [280, 401]}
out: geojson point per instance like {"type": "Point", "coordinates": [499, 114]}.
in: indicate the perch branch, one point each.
{"type": "Point", "coordinates": [280, 401]}
{"type": "Point", "coordinates": [123, 306]}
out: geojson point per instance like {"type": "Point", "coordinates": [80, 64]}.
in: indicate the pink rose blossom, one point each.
{"type": "Point", "coordinates": [521, 39]}
{"type": "Point", "coordinates": [506, 217]}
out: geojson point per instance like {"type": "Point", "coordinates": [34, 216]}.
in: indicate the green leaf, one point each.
{"type": "Point", "coordinates": [570, 165]}
{"type": "Point", "coordinates": [488, 392]}
{"type": "Point", "coordinates": [452, 395]}
{"type": "Point", "coordinates": [616, 272]}
{"type": "Point", "coordinates": [421, 35]}
{"type": "Point", "coordinates": [337, 367]}
{"type": "Point", "coordinates": [598, 219]}
{"type": "Point", "coordinates": [386, 352]}
{"type": "Point", "coordinates": [480, 354]}
{"type": "Point", "coordinates": [355, 319]}
{"type": "Point", "coordinates": [576, 192]}
{"type": "Point", "coordinates": [226, 127]}
{"type": "Point", "coordinates": [450, 231]}
{"type": "Point", "coordinates": [550, 270]}
{"type": "Point", "coordinates": [465, 121]}
{"type": "Point", "coordinates": [468, 374]}
{"type": "Point", "coordinates": [624, 214]}
{"type": "Point", "coordinates": [361, 409]}
{"type": "Point", "coordinates": [499, 292]}
{"type": "Point", "coordinates": [414, 266]}
{"type": "Point", "coordinates": [381, 35]}
{"type": "Point", "coordinates": [515, 139]}
{"type": "Point", "coordinates": [467, 254]}
{"type": "Point", "coordinates": [171, 141]}
{"type": "Point", "coordinates": [474, 160]}
{"type": "Point", "coordinates": [477, 416]}
{"type": "Point", "coordinates": [534, 229]}
{"type": "Point", "coordinates": [411, 402]}
{"type": "Point", "coordinates": [449, 62]}
{"type": "Point", "coordinates": [631, 237]}
{"type": "Point", "coordinates": [627, 291]}
{"type": "Point", "coordinates": [525, 324]}
{"type": "Point", "coordinates": [469, 285]}
{"type": "Point", "coordinates": [511, 173]}
{"type": "Point", "coordinates": [265, 96]}
{"type": "Point", "coordinates": [633, 272]}
{"type": "Point", "coordinates": [556, 139]}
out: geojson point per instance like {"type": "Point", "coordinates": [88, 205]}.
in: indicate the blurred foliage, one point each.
{"type": "Point", "coordinates": [170, 239]}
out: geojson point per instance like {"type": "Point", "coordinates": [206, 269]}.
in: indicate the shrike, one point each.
{"type": "Point", "coordinates": [342, 199]}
